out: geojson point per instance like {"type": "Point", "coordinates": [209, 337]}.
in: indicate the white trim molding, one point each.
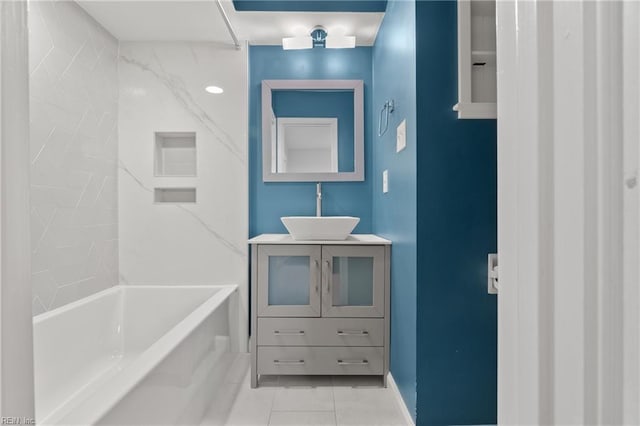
{"type": "Point", "coordinates": [403, 407]}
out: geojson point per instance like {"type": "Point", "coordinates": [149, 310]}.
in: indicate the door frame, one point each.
{"type": "Point", "coordinates": [568, 212]}
{"type": "Point", "coordinates": [16, 323]}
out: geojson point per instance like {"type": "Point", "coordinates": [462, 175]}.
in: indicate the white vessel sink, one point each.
{"type": "Point", "coordinates": [320, 228]}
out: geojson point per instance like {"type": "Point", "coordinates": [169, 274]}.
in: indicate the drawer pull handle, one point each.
{"type": "Point", "coordinates": [288, 333]}
{"type": "Point", "coordinates": [353, 333]}
{"type": "Point", "coordinates": [289, 362]}
{"type": "Point", "coordinates": [353, 362]}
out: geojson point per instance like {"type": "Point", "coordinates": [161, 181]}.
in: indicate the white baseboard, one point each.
{"type": "Point", "coordinates": [403, 407]}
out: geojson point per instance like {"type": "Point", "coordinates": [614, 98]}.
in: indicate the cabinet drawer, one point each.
{"type": "Point", "coordinates": [320, 360]}
{"type": "Point", "coordinates": [320, 331]}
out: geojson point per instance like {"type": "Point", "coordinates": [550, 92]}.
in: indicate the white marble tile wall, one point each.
{"type": "Point", "coordinates": [162, 89]}
{"type": "Point", "coordinates": [73, 103]}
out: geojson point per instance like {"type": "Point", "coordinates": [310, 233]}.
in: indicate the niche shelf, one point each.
{"type": "Point", "coordinates": [174, 195]}
{"type": "Point", "coordinates": [175, 154]}
{"type": "Point", "coordinates": [477, 78]}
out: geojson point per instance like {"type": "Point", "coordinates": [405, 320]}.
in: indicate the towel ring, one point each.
{"type": "Point", "coordinates": [387, 109]}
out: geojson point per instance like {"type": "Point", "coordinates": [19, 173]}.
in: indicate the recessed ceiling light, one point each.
{"type": "Point", "coordinates": [214, 89]}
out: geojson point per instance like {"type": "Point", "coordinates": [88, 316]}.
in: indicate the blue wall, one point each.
{"type": "Point", "coordinates": [269, 201]}
{"type": "Point", "coordinates": [457, 319]}
{"type": "Point", "coordinates": [337, 104]}
{"type": "Point", "coordinates": [442, 194]}
{"type": "Point", "coordinates": [394, 213]}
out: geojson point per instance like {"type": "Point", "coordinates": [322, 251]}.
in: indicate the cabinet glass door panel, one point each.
{"type": "Point", "coordinates": [289, 280]}
{"type": "Point", "coordinates": [353, 281]}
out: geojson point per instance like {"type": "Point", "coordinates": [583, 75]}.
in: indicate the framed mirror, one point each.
{"type": "Point", "coordinates": [312, 130]}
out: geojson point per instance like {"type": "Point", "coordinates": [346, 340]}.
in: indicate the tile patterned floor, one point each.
{"type": "Point", "coordinates": [303, 401]}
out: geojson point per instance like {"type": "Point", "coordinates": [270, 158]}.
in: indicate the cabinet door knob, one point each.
{"type": "Point", "coordinates": [316, 275]}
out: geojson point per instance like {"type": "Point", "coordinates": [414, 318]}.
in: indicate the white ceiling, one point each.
{"type": "Point", "coordinates": [270, 27]}
{"type": "Point", "coordinates": [187, 20]}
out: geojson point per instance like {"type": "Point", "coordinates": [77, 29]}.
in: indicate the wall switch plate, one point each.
{"type": "Point", "coordinates": [385, 181]}
{"type": "Point", "coordinates": [401, 136]}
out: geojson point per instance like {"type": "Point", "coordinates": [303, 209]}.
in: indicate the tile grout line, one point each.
{"type": "Point", "coordinates": [273, 400]}
{"type": "Point", "coordinates": [333, 392]}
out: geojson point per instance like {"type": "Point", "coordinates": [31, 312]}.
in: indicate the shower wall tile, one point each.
{"type": "Point", "coordinates": [162, 90]}
{"type": "Point", "coordinates": [73, 141]}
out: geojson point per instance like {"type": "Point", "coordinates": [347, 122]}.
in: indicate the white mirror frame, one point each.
{"type": "Point", "coordinates": [358, 121]}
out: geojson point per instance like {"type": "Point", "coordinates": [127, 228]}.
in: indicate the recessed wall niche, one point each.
{"type": "Point", "coordinates": [175, 154]}
{"type": "Point", "coordinates": [174, 195]}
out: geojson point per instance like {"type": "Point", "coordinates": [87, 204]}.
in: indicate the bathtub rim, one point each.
{"type": "Point", "coordinates": [98, 404]}
{"type": "Point", "coordinates": [114, 289]}
{"type": "Point", "coordinates": [75, 304]}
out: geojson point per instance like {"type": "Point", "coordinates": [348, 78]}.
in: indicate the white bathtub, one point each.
{"type": "Point", "coordinates": [134, 355]}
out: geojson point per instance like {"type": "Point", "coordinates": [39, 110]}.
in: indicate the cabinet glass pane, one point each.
{"type": "Point", "coordinates": [352, 281]}
{"type": "Point", "coordinates": [289, 280]}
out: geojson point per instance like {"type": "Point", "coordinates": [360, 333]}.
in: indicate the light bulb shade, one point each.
{"type": "Point", "coordinates": [295, 43]}
{"type": "Point", "coordinates": [340, 42]}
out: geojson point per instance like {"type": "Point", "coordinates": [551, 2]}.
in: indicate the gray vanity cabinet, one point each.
{"type": "Point", "coordinates": [320, 307]}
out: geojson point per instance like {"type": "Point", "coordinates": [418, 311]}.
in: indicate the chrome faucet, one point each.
{"type": "Point", "coordinates": [318, 199]}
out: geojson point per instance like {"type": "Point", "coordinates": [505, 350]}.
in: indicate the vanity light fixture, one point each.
{"type": "Point", "coordinates": [297, 43]}
{"type": "Point", "coordinates": [214, 89]}
{"type": "Point", "coordinates": [340, 42]}
{"type": "Point", "coordinates": [319, 37]}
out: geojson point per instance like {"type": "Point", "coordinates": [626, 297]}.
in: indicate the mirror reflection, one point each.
{"type": "Point", "coordinates": [312, 131]}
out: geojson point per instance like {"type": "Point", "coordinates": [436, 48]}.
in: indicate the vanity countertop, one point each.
{"type": "Point", "coordinates": [353, 239]}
